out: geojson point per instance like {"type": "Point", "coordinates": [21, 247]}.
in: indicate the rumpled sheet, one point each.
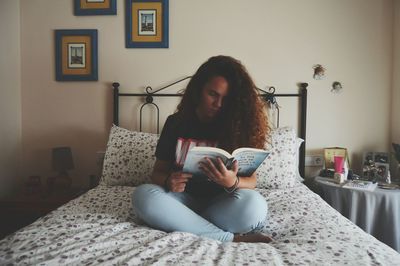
{"type": "Point", "coordinates": [100, 228]}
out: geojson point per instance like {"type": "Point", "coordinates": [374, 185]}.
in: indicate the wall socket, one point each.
{"type": "Point", "coordinates": [314, 160]}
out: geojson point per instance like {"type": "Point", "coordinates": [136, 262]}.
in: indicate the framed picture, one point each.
{"type": "Point", "coordinates": [382, 170]}
{"type": "Point", "coordinates": [95, 7]}
{"type": "Point", "coordinates": [368, 158]}
{"type": "Point", "coordinates": [381, 157]}
{"type": "Point", "coordinates": [146, 24]}
{"type": "Point", "coordinates": [76, 55]}
{"type": "Point", "coordinates": [375, 165]}
{"type": "Point", "coordinates": [331, 152]}
{"type": "Point", "coordinates": [375, 157]}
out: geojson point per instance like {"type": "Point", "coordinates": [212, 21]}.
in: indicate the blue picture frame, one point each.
{"type": "Point", "coordinates": [81, 10]}
{"type": "Point", "coordinates": [146, 23]}
{"type": "Point", "coordinates": [76, 55]}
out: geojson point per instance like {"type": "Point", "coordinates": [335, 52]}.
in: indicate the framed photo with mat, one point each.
{"type": "Point", "coordinates": [95, 7]}
{"type": "Point", "coordinates": [76, 55]}
{"type": "Point", "coordinates": [375, 166]}
{"type": "Point", "coordinates": [146, 24]}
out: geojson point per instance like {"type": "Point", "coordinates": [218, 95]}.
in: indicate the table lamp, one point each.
{"type": "Point", "coordinates": [61, 161]}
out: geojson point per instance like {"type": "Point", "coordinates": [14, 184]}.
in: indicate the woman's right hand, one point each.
{"type": "Point", "coordinates": [176, 181]}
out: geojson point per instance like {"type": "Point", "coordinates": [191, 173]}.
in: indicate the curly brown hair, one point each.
{"type": "Point", "coordinates": [243, 121]}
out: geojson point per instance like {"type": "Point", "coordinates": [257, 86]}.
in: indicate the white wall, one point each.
{"type": "Point", "coordinates": [10, 99]}
{"type": "Point", "coordinates": [278, 41]}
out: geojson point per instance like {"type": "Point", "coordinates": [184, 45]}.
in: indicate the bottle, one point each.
{"type": "Point", "coordinates": [388, 178]}
{"type": "Point", "coordinates": [340, 173]}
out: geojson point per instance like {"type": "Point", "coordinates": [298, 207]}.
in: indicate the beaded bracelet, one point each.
{"type": "Point", "coordinates": [234, 187]}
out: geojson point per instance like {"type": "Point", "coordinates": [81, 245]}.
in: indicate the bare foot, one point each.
{"type": "Point", "coordinates": [253, 238]}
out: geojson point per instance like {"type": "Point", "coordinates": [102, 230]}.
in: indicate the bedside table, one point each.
{"type": "Point", "coordinates": [22, 209]}
{"type": "Point", "coordinates": [376, 212]}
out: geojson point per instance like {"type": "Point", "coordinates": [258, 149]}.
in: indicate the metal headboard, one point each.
{"type": "Point", "coordinates": [268, 96]}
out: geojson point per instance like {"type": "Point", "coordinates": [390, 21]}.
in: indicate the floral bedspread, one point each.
{"type": "Point", "coordinates": [100, 228]}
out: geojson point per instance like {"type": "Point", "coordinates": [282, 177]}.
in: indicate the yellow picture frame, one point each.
{"type": "Point", "coordinates": [76, 55]}
{"type": "Point", "coordinates": [147, 24]}
{"type": "Point", "coordinates": [331, 152]}
{"type": "Point", "coordinates": [95, 7]}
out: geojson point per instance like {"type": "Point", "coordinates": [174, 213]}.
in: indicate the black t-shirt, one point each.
{"type": "Point", "coordinates": [177, 137]}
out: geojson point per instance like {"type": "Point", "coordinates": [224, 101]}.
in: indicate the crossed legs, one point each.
{"type": "Point", "coordinates": [219, 218]}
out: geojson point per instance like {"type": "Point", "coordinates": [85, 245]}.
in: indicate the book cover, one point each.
{"type": "Point", "coordinates": [249, 159]}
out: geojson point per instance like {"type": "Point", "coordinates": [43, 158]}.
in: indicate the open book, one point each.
{"type": "Point", "coordinates": [361, 184]}
{"type": "Point", "coordinates": [249, 159]}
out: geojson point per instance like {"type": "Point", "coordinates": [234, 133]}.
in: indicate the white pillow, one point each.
{"type": "Point", "coordinates": [299, 141]}
{"type": "Point", "coordinates": [129, 157]}
{"type": "Point", "coordinates": [280, 168]}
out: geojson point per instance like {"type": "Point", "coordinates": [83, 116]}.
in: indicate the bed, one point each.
{"type": "Point", "coordinates": [100, 227]}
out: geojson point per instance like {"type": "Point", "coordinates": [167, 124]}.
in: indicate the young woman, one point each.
{"type": "Point", "coordinates": [220, 107]}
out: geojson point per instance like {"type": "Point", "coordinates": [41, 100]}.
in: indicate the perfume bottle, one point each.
{"type": "Point", "coordinates": [388, 178]}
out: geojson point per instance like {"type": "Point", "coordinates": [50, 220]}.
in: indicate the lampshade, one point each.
{"type": "Point", "coordinates": [62, 159]}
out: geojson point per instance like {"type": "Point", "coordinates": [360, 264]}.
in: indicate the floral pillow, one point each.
{"type": "Point", "coordinates": [280, 168]}
{"type": "Point", "coordinates": [129, 157]}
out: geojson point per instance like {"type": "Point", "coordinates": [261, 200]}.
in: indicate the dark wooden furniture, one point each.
{"type": "Point", "coordinates": [268, 96]}
{"type": "Point", "coordinates": [21, 209]}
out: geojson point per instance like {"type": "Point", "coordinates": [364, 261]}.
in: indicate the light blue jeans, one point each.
{"type": "Point", "coordinates": [218, 218]}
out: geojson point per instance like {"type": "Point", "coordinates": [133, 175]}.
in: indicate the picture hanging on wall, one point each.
{"type": "Point", "coordinates": [95, 7]}
{"type": "Point", "coordinates": [76, 55]}
{"type": "Point", "coordinates": [146, 24]}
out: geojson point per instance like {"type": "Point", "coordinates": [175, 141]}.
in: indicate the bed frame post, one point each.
{"type": "Point", "coordinates": [116, 103]}
{"type": "Point", "coordinates": [303, 126]}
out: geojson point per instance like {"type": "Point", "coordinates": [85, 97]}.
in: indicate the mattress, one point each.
{"type": "Point", "coordinates": [100, 228]}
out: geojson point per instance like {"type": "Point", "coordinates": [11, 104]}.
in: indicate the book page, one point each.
{"type": "Point", "coordinates": [249, 161]}
{"type": "Point", "coordinates": [360, 184]}
{"type": "Point", "coordinates": [195, 156]}
{"type": "Point", "coordinates": [211, 150]}
{"type": "Point", "coordinates": [239, 150]}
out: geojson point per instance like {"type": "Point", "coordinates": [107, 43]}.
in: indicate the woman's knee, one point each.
{"type": "Point", "coordinates": [144, 190]}
{"type": "Point", "coordinates": [254, 210]}
{"type": "Point", "coordinates": [143, 197]}
{"type": "Point", "coordinates": [250, 198]}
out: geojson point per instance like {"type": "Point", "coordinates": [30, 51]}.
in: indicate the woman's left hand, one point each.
{"type": "Point", "coordinates": [219, 173]}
